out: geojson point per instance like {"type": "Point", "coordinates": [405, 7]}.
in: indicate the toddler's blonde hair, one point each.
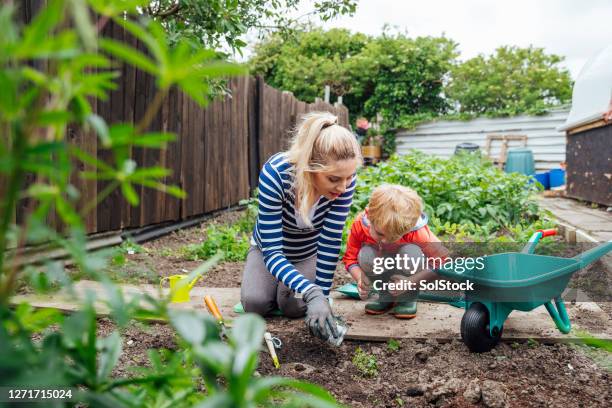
{"type": "Point", "coordinates": [319, 142]}
{"type": "Point", "coordinates": [394, 210]}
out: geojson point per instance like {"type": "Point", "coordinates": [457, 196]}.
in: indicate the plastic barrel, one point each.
{"type": "Point", "coordinates": [520, 161]}
{"type": "Point", "coordinates": [466, 148]}
{"type": "Point", "coordinates": [544, 179]}
{"type": "Point", "coordinates": [557, 177]}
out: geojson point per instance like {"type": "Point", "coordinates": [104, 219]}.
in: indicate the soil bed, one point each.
{"type": "Point", "coordinates": [417, 374]}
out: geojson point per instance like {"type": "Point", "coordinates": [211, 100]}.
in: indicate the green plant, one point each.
{"type": "Point", "coordinates": [365, 363]}
{"type": "Point", "coordinates": [393, 345]}
{"type": "Point", "coordinates": [589, 340]}
{"type": "Point", "coordinates": [391, 74]}
{"type": "Point", "coordinates": [228, 239]}
{"type": "Point", "coordinates": [51, 72]}
{"type": "Point", "coordinates": [463, 195]}
{"type": "Point", "coordinates": [218, 23]}
{"type": "Point", "coordinates": [231, 240]}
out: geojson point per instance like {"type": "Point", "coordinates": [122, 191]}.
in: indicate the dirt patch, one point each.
{"type": "Point", "coordinates": [433, 374]}
{"type": "Point", "coordinates": [418, 374]}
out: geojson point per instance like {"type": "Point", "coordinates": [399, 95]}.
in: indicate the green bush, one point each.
{"type": "Point", "coordinates": [366, 363]}
{"type": "Point", "coordinates": [233, 241]}
{"type": "Point", "coordinates": [228, 239]}
{"type": "Point", "coordinates": [464, 195]}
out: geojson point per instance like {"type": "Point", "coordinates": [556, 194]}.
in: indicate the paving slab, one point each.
{"type": "Point", "coordinates": [434, 321]}
{"type": "Point", "coordinates": [596, 222]}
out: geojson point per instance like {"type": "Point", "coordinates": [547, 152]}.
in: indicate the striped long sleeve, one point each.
{"type": "Point", "coordinates": [269, 230]}
{"type": "Point", "coordinates": [280, 238]}
{"type": "Point", "coordinates": [330, 238]}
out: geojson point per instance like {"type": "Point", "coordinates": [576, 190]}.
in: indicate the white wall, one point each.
{"type": "Point", "coordinates": [440, 138]}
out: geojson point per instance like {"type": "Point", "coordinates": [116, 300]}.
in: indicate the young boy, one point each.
{"type": "Point", "coordinates": [394, 226]}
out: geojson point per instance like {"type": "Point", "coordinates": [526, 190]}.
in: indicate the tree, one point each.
{"type": "Point", "coordinates": [398, 76]}
{"type": "Point", "coordinates": [391, 74]}
{"type": "Point", "coordinates": [511, 81]}
{"type": "Point", "coordinates": [306, 61]}
{"type": "Point", "coordinates": [216, 23]}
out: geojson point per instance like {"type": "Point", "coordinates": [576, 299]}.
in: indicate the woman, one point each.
{"type": "Point", "coordinates": [304, 198]}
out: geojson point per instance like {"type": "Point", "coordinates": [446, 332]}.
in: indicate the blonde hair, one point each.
{"type": "Point", "coordinates": [318, 143]}
{"type": "Point", "coordinates": [394, 209]}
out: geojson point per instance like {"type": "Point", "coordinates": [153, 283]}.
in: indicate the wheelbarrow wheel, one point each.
{"type": "Point", "coordinates": [475, 329]}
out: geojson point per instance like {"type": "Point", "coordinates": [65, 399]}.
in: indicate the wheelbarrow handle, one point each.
{"type": "Point", "coordinates": [548, 232]}
{"type": "Point", "coordinates": [535, 238]}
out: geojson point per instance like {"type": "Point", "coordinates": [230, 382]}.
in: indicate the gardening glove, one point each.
{"type": "Point", "coordinates": [319, 316]}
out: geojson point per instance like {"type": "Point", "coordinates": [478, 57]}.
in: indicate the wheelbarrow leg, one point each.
{"type": "Point", "coordinates": [559, 315]}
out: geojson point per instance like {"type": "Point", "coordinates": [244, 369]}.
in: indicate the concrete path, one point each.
{"type": "Point", "coordinates": [434, 321]}
{"type": "Point", "coordinates": [588, 222]}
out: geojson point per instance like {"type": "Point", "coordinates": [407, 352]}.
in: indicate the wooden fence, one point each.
{"type": "Point", "coordinates": [216, 158]}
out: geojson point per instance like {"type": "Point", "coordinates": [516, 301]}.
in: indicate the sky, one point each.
{"type": "Point", "coordinates": [571, 28]}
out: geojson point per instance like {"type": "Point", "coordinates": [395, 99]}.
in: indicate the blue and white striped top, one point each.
{"type": "Point", "coordinates": [279, 236]}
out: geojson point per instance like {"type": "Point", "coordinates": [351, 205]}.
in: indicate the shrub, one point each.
{"type": "Point", "coordinates": [366, 363]}
{"type": "Point", "coordinates": [464, 194]}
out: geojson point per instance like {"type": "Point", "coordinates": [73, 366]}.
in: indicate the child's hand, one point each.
{"type": "Point", "coordinates": [363, 286]}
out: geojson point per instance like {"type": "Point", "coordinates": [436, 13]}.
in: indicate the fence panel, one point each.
{"type": "Point", "coordinates": [216, 158]}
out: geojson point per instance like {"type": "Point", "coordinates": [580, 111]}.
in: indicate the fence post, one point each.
{"type": "Point", "coordinates": [255, 96]}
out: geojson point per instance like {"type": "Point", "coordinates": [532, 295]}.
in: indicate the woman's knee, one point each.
{"type": "Point", "coordinates": [255, 303]}
{"type": "Point", "coordinates": [292, 307]}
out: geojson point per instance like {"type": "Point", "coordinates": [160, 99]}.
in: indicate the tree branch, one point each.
{"type": "Point", "coordinates": [172, 10]}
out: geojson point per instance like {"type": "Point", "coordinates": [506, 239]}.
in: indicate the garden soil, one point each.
{"type": "Point", "coordinates": [414, 374]}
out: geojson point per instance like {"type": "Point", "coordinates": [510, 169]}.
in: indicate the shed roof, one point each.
{"type": "Point", "coordinates": [592, 94]}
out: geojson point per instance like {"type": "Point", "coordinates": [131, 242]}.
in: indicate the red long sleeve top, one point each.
{"type": "Point", "coordinates": [420, 235]}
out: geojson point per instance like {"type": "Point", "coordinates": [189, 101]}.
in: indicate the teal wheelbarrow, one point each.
{"type": "Point", "coordinates": [516, 281]}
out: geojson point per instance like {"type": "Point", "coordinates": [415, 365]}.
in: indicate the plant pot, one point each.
{"type": "Point", "coordinates": [371, 152]}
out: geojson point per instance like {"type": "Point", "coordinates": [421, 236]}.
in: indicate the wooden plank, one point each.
{"type": "Point", "coordinates": [242, 114]}
{"type": "Point", "coordinates": [140, 104]}
{"type": "Point", "coordinates": [151, 198]}
{"type": "Point", "coordinates": [253, 131]}
{"type": "Point", "coordinates": [199, 159]}
{"type": "Point", "coordinates": [227, 179]}
{"type": "Point", "coordinates": [184, 141]}
{"type": "Point", "coordinates": [171, 210]}
{"type": "Point", "coordinates": [593, 125]}
{"type": "Point", "coordinates": [129, 110]}
{"type": "Point", "coordinates": [104, 209]}
{"type": "Point", "coordinates": [117, 203]}
{"type": "Point", "coordinates": [219, 141]}
{"type": "Point", "coordinates": [434, 321]}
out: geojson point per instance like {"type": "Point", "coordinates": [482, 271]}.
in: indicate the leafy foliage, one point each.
{"type": "Point", "coordinates": [464, 195]}
{"type": "Point", "coordinates": [365, 363]}
{"type": "Point", "coordinates": [233, 241]}
{"type": "Point", "coordinates": [393, 345]}
{"type": "Point", "coordinates": [219, 23]}
{"type": "Point", "coordinates": [411, 80]}
{"type": "Point", "coordinates": [392, 74]}
{"type": "Point", "coordinates": [43, 348]}
{"type": "Point", "coordinates": [511, 81]}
